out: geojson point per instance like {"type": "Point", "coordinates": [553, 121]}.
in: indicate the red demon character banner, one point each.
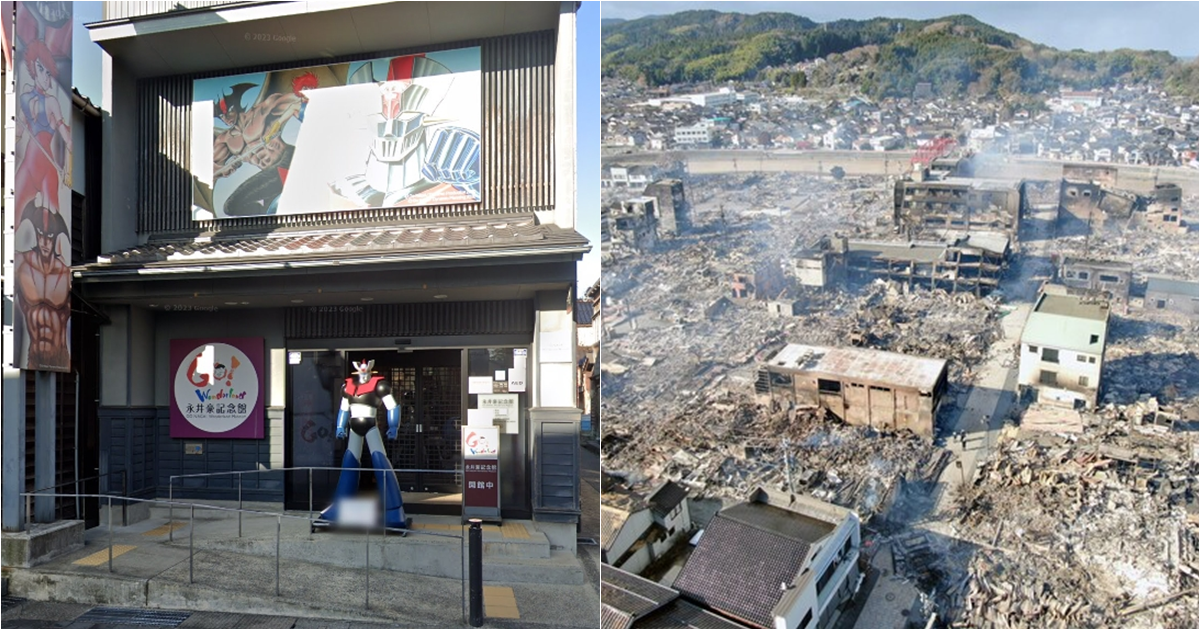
{"type": "Point", "coordinates": [217, 388]}
{"type": "Point", "coordinates": [41, 60]}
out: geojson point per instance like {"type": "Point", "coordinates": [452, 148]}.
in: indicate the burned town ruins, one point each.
{"type": "Point", "coordinates": [991, 365]}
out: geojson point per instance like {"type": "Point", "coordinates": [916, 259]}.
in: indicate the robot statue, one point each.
{"type": "Point", "coordinates": [361, 396]}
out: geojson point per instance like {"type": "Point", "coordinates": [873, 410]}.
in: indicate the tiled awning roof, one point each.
{"type": "Point", "coordinates": [484, 237]}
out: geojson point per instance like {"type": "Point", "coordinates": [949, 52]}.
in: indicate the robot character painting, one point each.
{"type": "Point", "coordinates": [361, 397]}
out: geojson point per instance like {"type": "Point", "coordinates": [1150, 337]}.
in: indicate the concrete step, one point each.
{"type": "Point", "coordinates": [160, 576]}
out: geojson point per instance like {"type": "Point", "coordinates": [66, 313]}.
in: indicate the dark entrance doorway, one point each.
{"type": "Point", "coordinates": [427, 384]}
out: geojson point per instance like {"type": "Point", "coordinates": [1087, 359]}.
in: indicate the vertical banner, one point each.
{"type": "Point", "coordinates": [42, 186]}
{"type": "Point", "coordinates": [216, 388]}
{"type": "Point", "coordinates": [481, 472]}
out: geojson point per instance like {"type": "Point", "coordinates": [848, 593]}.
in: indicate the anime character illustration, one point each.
{"type": "Point", "coordinates": [43, 156]}
{"type": "Point", "coordinates": [362, 395]}
{"type": "Point", "coordinates": [413, 150]}
{"type": "Point", "coordinates": [252, 136]}
{"type": "Point", "coordinates": [43, 285]}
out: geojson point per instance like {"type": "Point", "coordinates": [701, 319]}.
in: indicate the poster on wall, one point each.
{"type": "Point", "coordinates": [217, 388]}
{"type": "Point", "coordinates": [382, 133]}
{"type": "Point", "coordinates": [41, 223]}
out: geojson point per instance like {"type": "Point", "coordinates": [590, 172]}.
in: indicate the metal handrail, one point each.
{"type": "Point", "coordinates": [239, 473]}
{"type": "Point", "coordinates": [29, 517]}
{"type": "Point", "coordinates": [279, 516]}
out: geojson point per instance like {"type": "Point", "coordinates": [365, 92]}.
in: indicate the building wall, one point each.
{"type": "Point", "coordinates": [824, 604]}
{"type": "Point", "coordinates": [1081, 275]}
{"type": "Point", "coordinates": [635, 527]}
{"type": "Point", "coordinates": [1068, 370]}
{"type": "Point", "coordinates": [879, 406]}
{"type": "Point", "coordinates": [940, 205]}
{"type": "Point", "coordinates": [1187, 305]}
{"type": "Point", "coordinates": [518, 127]}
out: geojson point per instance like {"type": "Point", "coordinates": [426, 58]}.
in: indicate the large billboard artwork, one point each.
{"type": "Point", "coordinates": [42, 190]}
{"type": "Point", "coordinates": [383, 133]}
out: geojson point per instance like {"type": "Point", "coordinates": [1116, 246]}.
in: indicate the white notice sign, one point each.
{"type": "Point", "coordinates": [556, 347]}
{"type": "Point", "coordinates": [516, 376]}
{"type": "Point", "coordinates": [479, 384]}
{"type": "Point", "coordinates": [504, 410]}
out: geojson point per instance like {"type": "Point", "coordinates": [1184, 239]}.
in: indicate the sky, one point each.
{"type": "Point", "coordinates": [1092, 26]}
{"type": "Point", "coordinates": [86, 76]}
{"type": "Point", "coordinates": [587, 120]}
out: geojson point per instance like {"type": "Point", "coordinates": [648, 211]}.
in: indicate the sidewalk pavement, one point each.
{"type": "Point", "coordinates": [321, 580]}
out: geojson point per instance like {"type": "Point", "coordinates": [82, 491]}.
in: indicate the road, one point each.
{"type": "Point", "coordinates": [1136, 177]}
{"type": "Point", "coordinates": [991, 397]}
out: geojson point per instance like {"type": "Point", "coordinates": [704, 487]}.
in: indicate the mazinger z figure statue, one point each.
{"type": "Point", "coordinates": [361, 396]}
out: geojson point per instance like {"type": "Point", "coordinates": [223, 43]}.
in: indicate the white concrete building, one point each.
{"type": "Point", "coordinates": [1062, 349]}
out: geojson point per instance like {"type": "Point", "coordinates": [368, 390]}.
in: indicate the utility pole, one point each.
{"type": "Point", "coordinates": [787, 466]}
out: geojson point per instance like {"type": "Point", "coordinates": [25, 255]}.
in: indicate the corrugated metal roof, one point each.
{"type": "Point", "coordinates": [1068, 323]}
{"type": "Point", "coordinates": [1186, 288]}
{"type": "Point", "coordinates": [863, 364]}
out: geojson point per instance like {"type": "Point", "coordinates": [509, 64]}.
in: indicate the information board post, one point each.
{"type": "Point", "coordinates": [481, 473]}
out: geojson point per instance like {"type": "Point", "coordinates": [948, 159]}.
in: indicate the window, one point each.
{"type": "Point", "coordinates": [1083, 381]}
{"type": "Point", "coordinates": [1161, 303]}
{"type": "Point", "coordinates": [1107, 278]}
{"type": "Point", "coordinates": [1083, 275]}
{"type": "Point", "coordinates": [781, 379]}
{"type": "Point", "coordinates": [826, 576]}
{"type": "Point", "coordinates": [1081, 358]}
{"type": "Point", "coordinates": [1050, 355]}
{"type": "Point", "coordinates": [1033, 349]}
{"type": "Point", "coordinates": [1094, 339]}
{"type": "Point", "coordinates": [1048, 378]}
{"type": "Point", "coordinates": [1092, 360]}
{"type": "Point", "coordinates": [829, 387]}
{"type": "Point", "coordinates": [806, 620]}
{"type": "Point", "coordinates": [1070, 274]}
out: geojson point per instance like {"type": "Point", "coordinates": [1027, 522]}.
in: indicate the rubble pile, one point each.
{"type": "Point", "coordinates": [1150, 358]}
{"type": "Point", "coordinates": [1149, 252]}
{"type": "Point", "coordinates": [723, 446]}
{"type": "Point", "coordinates": [1089, 531]}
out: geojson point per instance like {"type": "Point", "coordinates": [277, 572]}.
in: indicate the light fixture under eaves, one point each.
{"type": "Point", "coordinates": [440, 296]}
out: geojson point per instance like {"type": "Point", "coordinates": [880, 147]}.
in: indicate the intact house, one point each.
{"type": "Point", "coordinates": [1062, 348]}
{"type": "Point", "coordinates": [635, 532]}
{"type": "Point", "coordinates": [883, 390]}
{"type": "Point", "coordinates": [1173, 294]}
{"type": "Point", "coordinates": [776, 561]}
{"type": "Point", "coordinates": [631, 601]}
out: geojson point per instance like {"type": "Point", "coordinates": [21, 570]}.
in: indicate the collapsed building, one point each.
{"type": "Point", "coordinates": [959, 204]}
{"type": "Point", "coordinates": [883, 390]}
{"type": "Point", "coordinates": [673, 215]}
{"type": "Point", "coordinates": [1163, 212]}
{"type": "Point", "coordinates": [1104, 279]}
{"type": "Point", "coordinates": [765, 282]}
{"type": "Point", "coordinates": [1084, 206]}
{"type": "Point", "coordinates": [633, 223]}
{"type": "Point", "coordinates": [972, 263]}
{"type": "Point", "coordinates": [1062, 348]}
